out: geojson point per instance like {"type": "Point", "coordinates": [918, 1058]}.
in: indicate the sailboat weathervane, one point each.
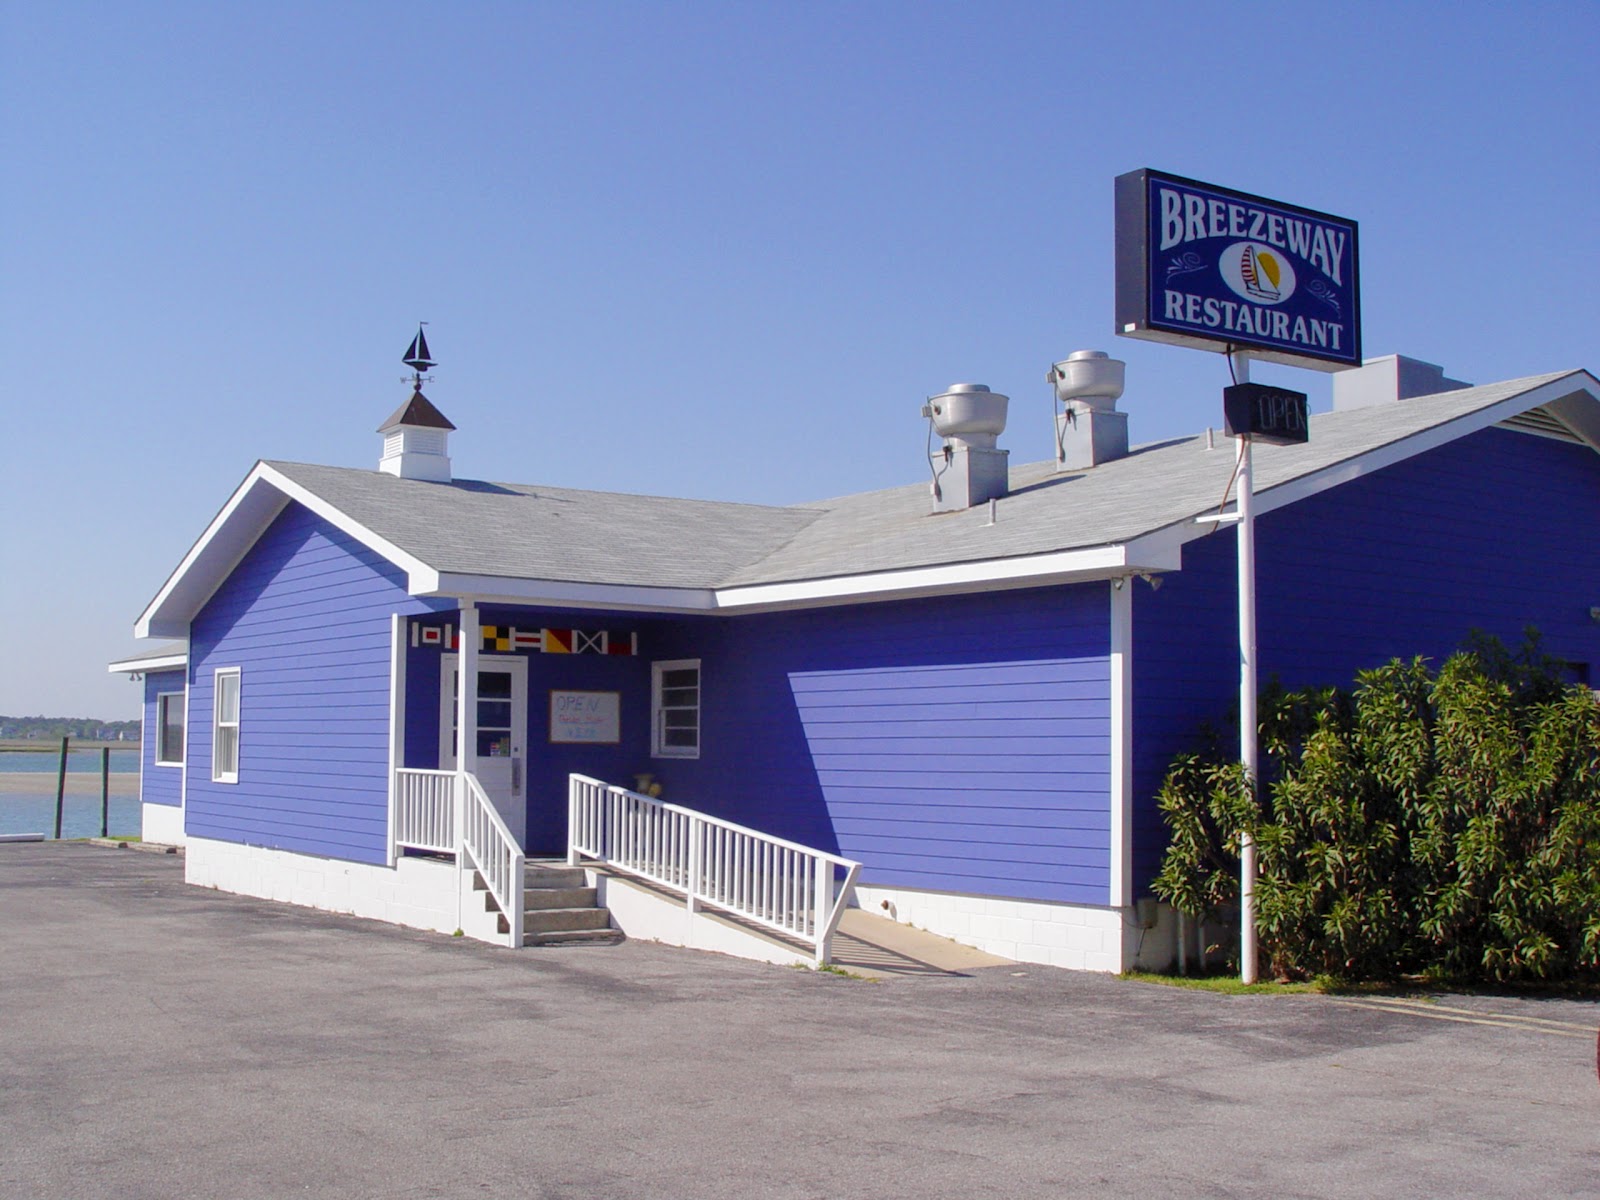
{"type": "Point", "coordinates": [418, 358]}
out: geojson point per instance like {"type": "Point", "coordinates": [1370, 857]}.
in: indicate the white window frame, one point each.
{"type": "Point", "coordinates": [163, 701]}
{"type": "Point", "coordinates": [220, 772]}
{"type": "Point", "coordinates": [658, 710]}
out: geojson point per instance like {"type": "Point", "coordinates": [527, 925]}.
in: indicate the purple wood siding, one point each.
{"type": "Point", "coordinates": [305, 616]}
{"type": "Point", "coordinates": [158, 785]}
{"type": "Point", "coordinates": [958, 744]}
{"type": "Point", "coordinates": [1495, 532]}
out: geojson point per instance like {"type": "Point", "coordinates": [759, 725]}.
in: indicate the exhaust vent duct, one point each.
{"type": "Point", "coordinates": [1089, 429]}
{"type": "Point", "coordinates": [969, 469]}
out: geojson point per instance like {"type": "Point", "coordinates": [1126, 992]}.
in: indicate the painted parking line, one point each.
{"type": "Point", "coordinates": [1467, 1016]}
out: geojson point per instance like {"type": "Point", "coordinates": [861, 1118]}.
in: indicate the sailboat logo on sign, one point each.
{"type": "Point", "coordinates": [1257, 273]}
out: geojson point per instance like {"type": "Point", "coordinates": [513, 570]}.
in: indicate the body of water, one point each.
{"type": "Point", "coordinates": [48, 758]}
{"type": "Point", "coordinates": [28, 791]}
{"type": "Point", "coordinates": [80, 813]}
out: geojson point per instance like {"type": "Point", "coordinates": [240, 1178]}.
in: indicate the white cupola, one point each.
{"type": "Point", "coordinates": [416, 437]}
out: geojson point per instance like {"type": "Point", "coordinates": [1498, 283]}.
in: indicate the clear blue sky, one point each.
{"type": "Point", "coordinates": [706, 249]}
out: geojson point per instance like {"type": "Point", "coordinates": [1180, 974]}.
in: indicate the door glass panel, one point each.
{"type": "Point", "coordinates": [496, 713]}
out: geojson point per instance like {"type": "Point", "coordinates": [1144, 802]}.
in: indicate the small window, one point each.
{"type": "Point", "coordinates": [225, 731]}
{"type": "Point", "coordinates": [169, 729]}
{"type": "Point", "coordinates": [675, 709]}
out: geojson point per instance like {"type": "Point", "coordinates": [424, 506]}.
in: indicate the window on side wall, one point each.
{"type": "Point", "coordinates": [675, 708]}
{"type": "Point", "coordinates": [169, 729]}
{"type": "Point", "coordinates": [225, 728]}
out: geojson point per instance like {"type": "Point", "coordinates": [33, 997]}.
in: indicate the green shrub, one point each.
{"type": "Point", "coordinates": [1447, 824]}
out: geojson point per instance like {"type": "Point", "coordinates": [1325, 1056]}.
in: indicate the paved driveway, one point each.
{"type": "Point", "coordinates": [158, 1040]}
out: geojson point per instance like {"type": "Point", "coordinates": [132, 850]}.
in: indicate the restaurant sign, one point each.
{"type": "Point", "coordinates": [1215, 269]}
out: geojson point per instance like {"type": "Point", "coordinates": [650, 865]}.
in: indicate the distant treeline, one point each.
{"type": "Point", "coordinates": [78, 728]}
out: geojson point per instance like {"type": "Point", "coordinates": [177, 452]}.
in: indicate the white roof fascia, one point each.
{"type": "Point", "coordinates": [154, 662]}
{"type": "Point", "coordinates": [210, 560]}
{"type": "Point", "coordinates": [489, 589]}
{"type": "Point", "coordinates": [1036, 570]}
{"type": "Point", "coordinates": [1421, 442]}
{"type": "Point", "coordinates": [253, 506]}
{"type": "Point", "coordinates": [1160, 552]}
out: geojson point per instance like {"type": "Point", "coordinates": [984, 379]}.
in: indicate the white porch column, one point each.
{"type": "Point", "coordinates": [397, 715]}
{"type": "Point", "coordinates": [467, 688]}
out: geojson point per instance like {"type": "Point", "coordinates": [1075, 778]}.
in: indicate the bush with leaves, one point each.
{"type": "Point", "coordinates": [1447, 824]}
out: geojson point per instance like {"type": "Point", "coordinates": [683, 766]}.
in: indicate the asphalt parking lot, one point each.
{"type": "Point", "coordinates": [158, 1040]}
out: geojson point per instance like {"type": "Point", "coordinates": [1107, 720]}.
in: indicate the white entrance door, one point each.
{"type": "Point", "coordinates": [501, 761]}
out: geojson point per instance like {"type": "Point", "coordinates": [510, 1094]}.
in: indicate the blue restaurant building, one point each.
{"type": "Point", "coordinates": [976, 705]}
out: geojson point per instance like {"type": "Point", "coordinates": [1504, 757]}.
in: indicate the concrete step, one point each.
{"type": "Point", "coordinates": [555, 920]}
{"type": "Point", "coordinates": [560, 897]}
{"type": "Point", "coordinates": [574, 937]}
{"type": "Point", "coordinates": [554, 877]}
{"type": "Point", "coordinates": [543, 898]}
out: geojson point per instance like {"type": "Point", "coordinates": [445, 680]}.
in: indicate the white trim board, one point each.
{"type": "Point", "coordinates": [1037, 570]}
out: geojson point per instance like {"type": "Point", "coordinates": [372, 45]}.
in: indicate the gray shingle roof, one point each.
{"type": "Point", "coordinates": [561, 534]}
{"type": "Point", "coordinates": [569, 535]}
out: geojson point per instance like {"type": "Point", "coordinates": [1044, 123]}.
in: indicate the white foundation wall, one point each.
{"type": "Point", "coordinates": [648, 915]}
{"type": "Point", "coordinates": [1079, 937]}
{"type": "Point", "coordinates": [161, 824]}
{"type": "Point", "coordinates": [416, 892]}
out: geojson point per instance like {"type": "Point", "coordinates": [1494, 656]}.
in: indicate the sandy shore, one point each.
{"type": "Point", "coordinates": [79, 783]}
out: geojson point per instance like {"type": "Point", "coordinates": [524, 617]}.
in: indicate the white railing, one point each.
{"type": "Point", "coordinates": [449, 813]}
{"type": "Point", "coordinates": [781, 885]}
{"type": "Point", "coordinates": [494, 852]}
{"type": "Point", "coordinates": [425, 810]}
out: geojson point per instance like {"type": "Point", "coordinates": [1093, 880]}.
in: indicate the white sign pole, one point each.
{"type": "Point", "coordinates": [1248, 751]}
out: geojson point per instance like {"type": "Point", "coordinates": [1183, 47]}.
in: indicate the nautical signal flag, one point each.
{"type": "Point", "coordinates": [508, 639]}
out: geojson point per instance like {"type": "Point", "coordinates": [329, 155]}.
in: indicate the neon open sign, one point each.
{"type": "Point", "coordinates": [1268, 414]}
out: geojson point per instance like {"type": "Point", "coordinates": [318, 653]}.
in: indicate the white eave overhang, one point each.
{"type": "Point", "coordinates": [144, 664]}
{"type": "Point", "coordinates": [253, 506]}
{"type": "Point", "coordinates": [1033, 570]}
{"type": "Point", "coordinates": [1156, 553]}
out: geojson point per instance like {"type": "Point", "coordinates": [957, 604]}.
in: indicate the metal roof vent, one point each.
{"type": "Point", "coordinates": [1089, 429]}
{"type": "Point", "coordinates": [969, 469]}
{"type": "Point", "coordinates": [1389, 379]}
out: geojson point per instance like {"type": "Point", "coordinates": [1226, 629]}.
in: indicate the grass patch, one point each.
{"type": "Point", "coordinates": [830, 969]}
{"type": "Point", "coordinates": [1229, 985]}
{"type": "Point", "coordinates": [1415, 987]}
